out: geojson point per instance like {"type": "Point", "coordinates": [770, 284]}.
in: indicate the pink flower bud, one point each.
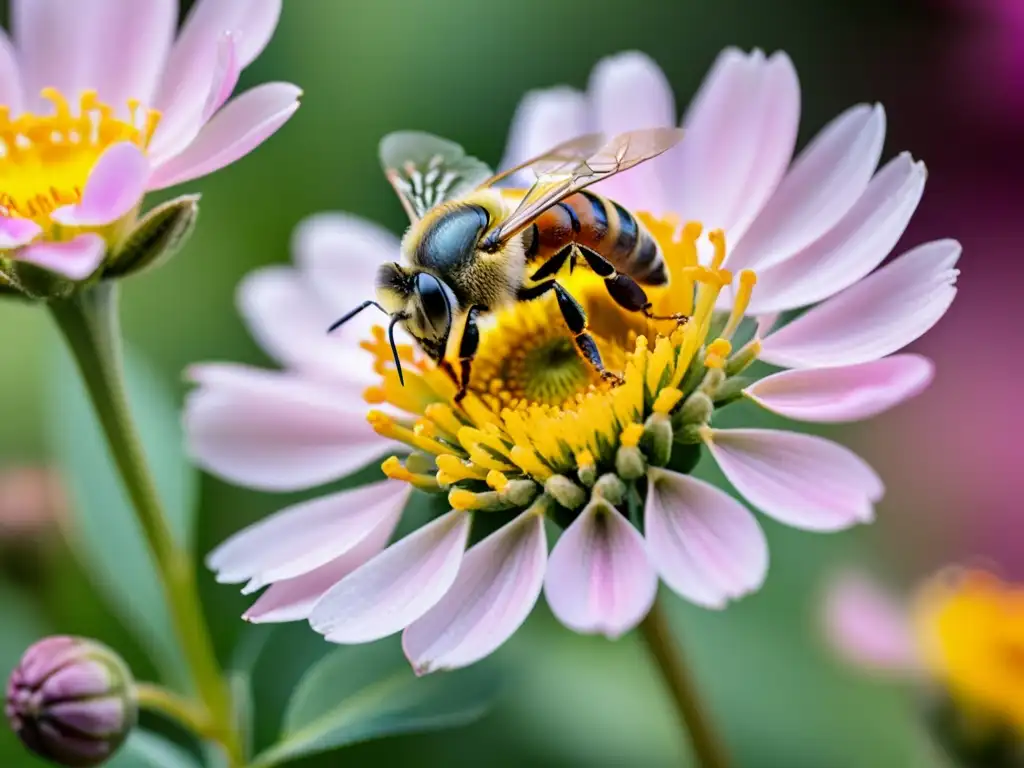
{"type": "Point", "coordinates": [71, 701]}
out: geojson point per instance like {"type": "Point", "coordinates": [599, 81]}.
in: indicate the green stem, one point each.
{"type": "Point", "coordinates": [90, 325]}
{"type": "Point", "coordinates": [665, 651]}
{"type": "Point", "coordinates": [174, 707]}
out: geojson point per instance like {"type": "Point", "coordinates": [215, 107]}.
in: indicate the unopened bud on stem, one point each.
{"type": "Point", "coordinates": [71, 701]}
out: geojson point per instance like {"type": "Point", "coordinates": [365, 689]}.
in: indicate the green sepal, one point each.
{"type": "Point", "coordinates": [156, 238]}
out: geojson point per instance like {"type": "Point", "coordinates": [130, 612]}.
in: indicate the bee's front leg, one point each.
{"type": "Point", "coordinates": [467, 351]}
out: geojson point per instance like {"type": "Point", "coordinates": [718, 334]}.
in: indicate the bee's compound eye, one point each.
{"type": "Point", "coordinates": [435, 302]}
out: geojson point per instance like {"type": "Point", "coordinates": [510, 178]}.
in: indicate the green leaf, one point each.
{"type": "Point", "coordinates": [364, 692]}
{"type": "Point", "coordinates": [147, 750]}
{"type": "Point", "coordinates": [105, 532]}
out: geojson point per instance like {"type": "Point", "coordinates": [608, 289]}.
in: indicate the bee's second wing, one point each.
{"type": "Point", "coordinates": [563, 174]}
{"type": "Point", "coordinates": [426, 170]}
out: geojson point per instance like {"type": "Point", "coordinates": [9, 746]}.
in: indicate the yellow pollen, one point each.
{"type": "Point", "coordinates": [717, 352]}
{"type": "Point", "coordinates": [971, 628]}
{"type": "Point", "coordinates": [631, 435]}
{"type": "Point", "coordinates": [584, 459]}
{"type": "Point", "coordinates": [45, 160]}
{"type": "Point", "coordinates": [667, 400]}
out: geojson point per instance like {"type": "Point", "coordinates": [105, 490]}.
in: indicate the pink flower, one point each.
{"type": "Point", "coordinates": [814, 229]}
{"type": "Point", "coordinates": [107, 102]}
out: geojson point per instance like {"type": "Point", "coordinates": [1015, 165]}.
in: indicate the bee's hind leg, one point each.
{"type": "Point", "coordinates": [624, 290]}
{"type": "Point", "coordinates": [576, 320]}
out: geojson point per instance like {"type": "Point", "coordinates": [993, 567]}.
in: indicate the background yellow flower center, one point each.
{"type": "Point", "coordinates": [46, 159]}
{"type": "Point", "coordinates": [972, 631]}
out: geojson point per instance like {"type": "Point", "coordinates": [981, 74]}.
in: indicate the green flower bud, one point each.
{"type": "Point", "coordinates": [565, 491]}
{"type": "Point", "coordinates": [71, 701]}
{"type": "Point", "coordinates": [156, 238]}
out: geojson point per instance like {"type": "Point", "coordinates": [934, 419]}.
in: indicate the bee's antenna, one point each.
{"type": "Point", "coordinates": [349, 315]}
{"type": "Point", "coordinates": [394, 347]}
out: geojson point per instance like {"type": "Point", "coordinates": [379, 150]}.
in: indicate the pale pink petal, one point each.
{"type": "Point", "coordinates": [288, 319]}
{"type": "Point", "coordinates": [627, 92]}
{"type": "Point", "coordinates": [765, 323]}
{"type": "Point", "coordinates": [293, 599]}
{"type": "Point", "coordinates": [854, 247]}
{"type": "Point", "coordinates": [192, 65]}
{"type": "Point", "coordinates": [599, 579]}
{"type": "Point", "coordinates": [497, 586]}
{"type": "Point", "coordinates": [704, 544]}
{"type": "Point", "coordinates": [115, 186]}
{"type": "Point", "coordinates": [822, 185]}
{"type": "Point", "coordinates": [876, 317]}
{"type": "Point", "coordinates": [305, 536]}
{"type": "Point", "coordinates": [543, 119]}
{"type": "Point", "coordinates": [867, 626]}
{"type": "Point", "coordinates": [15, 233]}
{"type": "Point", "coordinates": [801, 480]}
{"type": "Point", "coordinates": [236, 130]}
{"type": "Point", "coordinates": [225, 76]}
{"type": "Point", "coordinates": [275, 431]}
{"type": "Point", "coordinates": [52, 42]}
{"type": "Point", "coordinates": [778, 109]}
{"type": "Point", "coordinates": [396, 587]}
{"type": "Point", "coordinates": [75, 259]}
{"type": "Point", "coordinates": [849, 393]}
{"type": "Point", "coordinates": [127, 48]}
{"type": "Point", "coordinates": [339, 254]}
{"type": "Point", "coordinates": [11, 94]}
{"type": "Point", "coordinates": [740, 133]}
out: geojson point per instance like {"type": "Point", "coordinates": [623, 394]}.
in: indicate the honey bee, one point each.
{"type": "Point", "coordinates": [473, 248]}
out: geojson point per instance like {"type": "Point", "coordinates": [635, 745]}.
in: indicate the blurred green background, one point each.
{"type": "Point", "coordinates": [458, 68]}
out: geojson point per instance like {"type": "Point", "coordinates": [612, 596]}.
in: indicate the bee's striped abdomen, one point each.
{"type": "Point", "coordinates": [603, 226]}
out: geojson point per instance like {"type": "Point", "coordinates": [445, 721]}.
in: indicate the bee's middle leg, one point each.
{"type": "Point", "coordinates": [576, 320]}
{"type": "Point", "coordinates": [624, 290]}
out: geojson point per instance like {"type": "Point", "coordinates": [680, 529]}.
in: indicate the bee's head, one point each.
{"type": "Point", "coordinates": [417, 299]}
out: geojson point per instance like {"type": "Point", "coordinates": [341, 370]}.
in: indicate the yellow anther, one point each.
{"type": "Point", "coordinates": [631, 435]}
{"type": "Point", "coordinates": [717, 238]}
{"type": "Point", "coordinates": [394, 469]}
{"type": "Point", "coordinates": [666, 400]}
{"type": "Point", "coordinates": [716, 353]}
{"type": "Point", "coordinates": [462, 499]}
{"type": "Point", "coordinates": [374, 395]}
{"type": "Point", "coordinates": [444, 417]}
{"type": "Point", "coordinates": [584, 458]}
{"type": "Point", "coordinates": [497, 480]}
{"type": "Point", "coordinates": [455, 469]}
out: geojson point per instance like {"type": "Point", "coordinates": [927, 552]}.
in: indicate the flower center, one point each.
{"type": "Point", "coordinates": [972, 631]}
{"type": "Point", "coordinates": [46, 159]}
{"type": "Point", "coordinates": [538, 425]}
{"type": "Point", "coordinates": [528, 358]}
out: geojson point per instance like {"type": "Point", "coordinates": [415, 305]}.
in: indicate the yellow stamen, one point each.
{"type": "Point", "coordinates": [631, 435]}
{"type": "Point", "coordinates": [394, 469]}
{"type": "Point", "coordinates": [748, 279]}
{"type": "Point", "coordinates": [667, 400]}
{"type": "Point", "coordinates": [462, 499]}
{"type": "Point", "coordinates": [717, 352]}
{"type": "Point", "coordinates": [497, 481]}
{"type": "Point", "coordinates": [45, 160]}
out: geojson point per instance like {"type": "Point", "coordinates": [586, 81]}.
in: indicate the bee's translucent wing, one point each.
{"type": "Point", "coordinates": [426, 170]}
{"type": "Point", "coordinates": [567, 154]}
{"type": "Point", "coordinates": [565, 175]}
